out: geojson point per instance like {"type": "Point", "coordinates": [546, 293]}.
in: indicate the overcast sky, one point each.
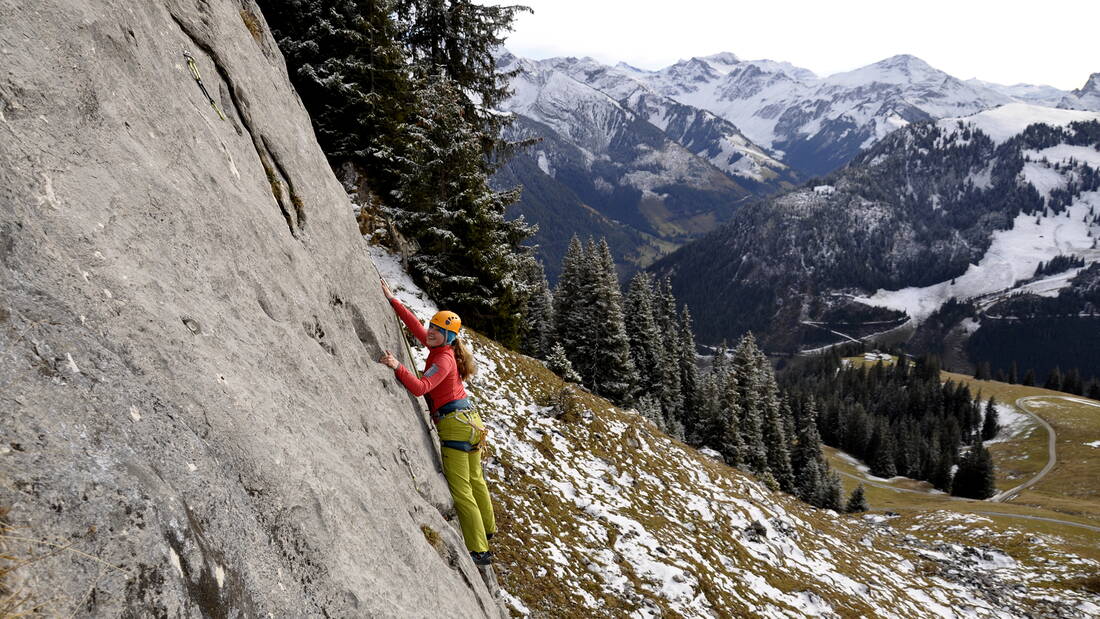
{"type": "Point", "coordinates": [1055, 42]}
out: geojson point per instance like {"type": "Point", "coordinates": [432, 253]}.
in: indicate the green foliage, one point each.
{"type": "Point", "coordinates": [404, 92]}
{"type": "Point", "coordinates": [975, 476]}
{"type": "Point", "coordinates": [857, 502]}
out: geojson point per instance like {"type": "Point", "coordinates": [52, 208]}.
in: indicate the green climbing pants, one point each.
{"type": "Point", "coordinates": [463, 472]}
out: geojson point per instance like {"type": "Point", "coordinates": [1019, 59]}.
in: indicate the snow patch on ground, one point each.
{"type": "Point", "coordinates": [1013, 255]}
{"type": "Point", "coordinates": [1014, 423]}
{"type": "Point", "coordinates": [1093, 444]}
{"type": "Point", "coordinates": [1006, 121]}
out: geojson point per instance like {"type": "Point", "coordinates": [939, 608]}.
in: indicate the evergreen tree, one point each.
{"type": "Point", "coordinates": [1054, 380]}
{"type": "Point", "coordinates": [539, 334]}
{"type": "Point", "coordinates": [468, 253]}
{"type": "Point", "coordinates": [1014, 373]}
{"type": "Point", "coordinates": [751, 425]}
{"type": "Point", "coordinates": [458, 39]}
{"type": "Point", "coordinates": [831, 496]}
{"type": "Point", "coordinates": [1029, 378]}
{"type": "Point", "coordinates": [807, 460]}
{"type": "Point", "coordinates": [664, 311]}
{"type": "Point", "coordinates": [772, 414]}
{"type": "Point", "coordinates": [1094, 390]}
{"type": "Point", "coordinates": [882, 451]}
{"type": "Point", "coordinates": [645, 339]}
{"type": "Point", "coordinates": [613, 374]}
{"type": "Point", "coordinates": [351, 72]}
{"type": "Point", "coordinates": [689, 371]}
{"type": "Point", "coordinates": [857, 502]}
{"type": "Point", "coordinates": [571, 298]}
{"type": "Point", "coordinates": [991, 425]}
{"type": "Point", "coordinates": [558, 363]}
{"type": "Point", "coordinates": [975, 475]}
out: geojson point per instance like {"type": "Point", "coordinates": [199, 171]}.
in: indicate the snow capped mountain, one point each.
{"type": "Point", "coordinates": [571, 95]}
{"type": "Point", "coordinates": [817, 124]}
{"type": "Point", "coordinates": [1087, 98]}
{"type": "Point", "coordinates": [1048, 96]}
{"type": "Point", "coordinates": [656, 171]}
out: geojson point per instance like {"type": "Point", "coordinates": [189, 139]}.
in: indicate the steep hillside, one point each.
{"type": "Point", "coordinates": [601, 514]}
{"type": "Point", "coordinates": [958, 208]}
{"type": "Point", "coordinates": [193, 421]}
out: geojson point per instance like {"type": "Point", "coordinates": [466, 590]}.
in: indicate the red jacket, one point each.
{"type": "Point", "coordinates": [441, 383]}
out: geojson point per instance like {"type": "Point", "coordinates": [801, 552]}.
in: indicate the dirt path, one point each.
{"type": "Point", "coordinates": [1052, 452]}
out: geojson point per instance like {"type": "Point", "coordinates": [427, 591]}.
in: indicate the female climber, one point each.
{"type": "Point", "coordinates": [460, 429]}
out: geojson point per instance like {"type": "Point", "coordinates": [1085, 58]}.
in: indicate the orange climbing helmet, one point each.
{"type": "Point", "coordinates": [448, 321]}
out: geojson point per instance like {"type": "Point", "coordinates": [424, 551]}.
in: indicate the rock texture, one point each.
{"type": "Point", "coordinates": [192, 422]}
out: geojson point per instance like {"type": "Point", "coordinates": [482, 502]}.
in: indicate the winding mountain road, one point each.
{"type": "Point", "coordinates": [1052, 453]}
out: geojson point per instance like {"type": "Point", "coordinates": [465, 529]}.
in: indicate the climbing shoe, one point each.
{"type": "Point", "coordinates": [482, 558]}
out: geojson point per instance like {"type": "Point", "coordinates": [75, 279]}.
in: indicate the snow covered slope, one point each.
{"type": "Point", "coordinates": [1086, 98]}
{"type": "Point", "coordinates": [583, 101]}
{"type": "Point", "coordinates": [601, 515]}
{"type": "Point", "coordinates": [963, 207]}
{"type": "Point", "coordinates": [1014, 254]}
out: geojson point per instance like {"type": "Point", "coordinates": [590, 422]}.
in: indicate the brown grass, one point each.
{"type": "Point", "coordinates": [252, 22]}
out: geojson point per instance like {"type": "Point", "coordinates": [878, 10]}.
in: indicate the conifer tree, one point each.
{"type": "Point", "coordinates": [664, 310]}
{"type": "Point", "coordinates": [468, 253]}
{"type": "Point", "coordinates": [1029, 378]}
{"type": "Point", "coordinates": [571, 298]}
{"type": "Point", "coordinates": [558, 363]}
{"type": "Point", "coordinates": [882, 451]}
{"type": "Point", "coordinates": [689, 371]}
{"type": "Point", "coordinates": [613, 374]}
{"type": "Point", "coordinates": [751, 424]}
{"type": "Point", "coordinates": [645, 339]}
{"type": "Point", "coordinates": [1054, 379]}
{"type": "Point", "coordinates": [458, 39]}
{"type": "Point", "coordinates": [831, 496]}
{"type": "Point", "coordinates": [729, 413]}
{"type": "Point", "coordinates": [975, 475]}
{"type": "Point", "coordinates": [807, 460]}
{"type": "Point", "coordinates": [347, 65]}
{"type": "Point", "coordinates": [539, 333]}
{"type": "Point", "coordinates": [991, 425]}
{"type": "Point", "coordinates": [772, 414]}
{"type": "Point", "coordinates": [857, 502]}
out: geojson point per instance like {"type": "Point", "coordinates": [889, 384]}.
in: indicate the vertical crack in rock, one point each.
{"type": "Point", "coordinates": [289, 202]}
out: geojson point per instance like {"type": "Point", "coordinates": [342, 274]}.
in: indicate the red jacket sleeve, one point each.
{"type": "Point", "coordinates": [439, 370]}
{"type": "Point", "coordinates": [410, 321]}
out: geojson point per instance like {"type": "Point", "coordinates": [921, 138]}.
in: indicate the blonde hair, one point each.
{"type": "Point", "coordinates": [464, 359]}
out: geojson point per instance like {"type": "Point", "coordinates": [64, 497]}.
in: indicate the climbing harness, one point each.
{"type": "Point", "coordinates": [198, 79]}
{"type": "Point", "coordinates": [460, 410]}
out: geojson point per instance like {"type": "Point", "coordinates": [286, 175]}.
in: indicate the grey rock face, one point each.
{"type": "Point", "coordinates": [192, 420]}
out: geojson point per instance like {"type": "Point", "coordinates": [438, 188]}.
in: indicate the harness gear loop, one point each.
{"type": "Point", "coordinates": [198, 79]}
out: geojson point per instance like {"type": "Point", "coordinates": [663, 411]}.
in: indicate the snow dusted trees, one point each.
{"type": "Point", "coordinates": [589, 322]}
{"type": "Point", "coordinates": [639, 349]}
{"type": "Point", "coordinates": [403, 92]}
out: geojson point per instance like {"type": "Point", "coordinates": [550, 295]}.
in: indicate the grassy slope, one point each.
{"type": "Point", "coordinates": [1070, 491]}
{"type": "Point", "coordinates": [599, 511]}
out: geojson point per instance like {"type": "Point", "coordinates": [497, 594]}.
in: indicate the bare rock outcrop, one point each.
{"type": "Point", "coordinates": [191, 417]}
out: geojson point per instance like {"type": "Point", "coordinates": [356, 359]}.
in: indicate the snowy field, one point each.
{"type": "Point", "coordinates": [1013, 256]}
